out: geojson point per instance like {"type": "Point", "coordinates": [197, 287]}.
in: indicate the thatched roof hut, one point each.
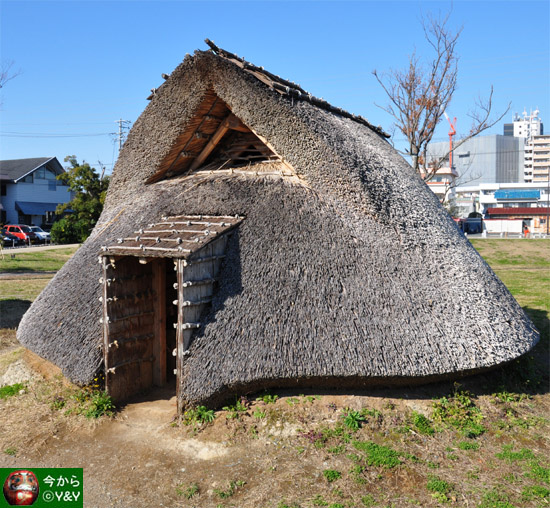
{"type": "Point", "coordinates": [323, 259]}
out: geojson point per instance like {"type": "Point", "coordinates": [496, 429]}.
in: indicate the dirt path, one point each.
{"type": "Point", "coordinates": [139, 459]}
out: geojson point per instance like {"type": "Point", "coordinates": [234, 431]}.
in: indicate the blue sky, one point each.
{"type": "Point", "coordinates": [85, 64]}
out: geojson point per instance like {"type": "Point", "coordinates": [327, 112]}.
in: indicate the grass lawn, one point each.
{"type": "Point", "coordinates": [524, 267]}
{"type": "Point", "coordinates": [50, 260]}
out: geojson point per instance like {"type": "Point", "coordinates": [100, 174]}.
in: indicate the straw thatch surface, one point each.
{"type": "Point", "coordinates": [347, 273]}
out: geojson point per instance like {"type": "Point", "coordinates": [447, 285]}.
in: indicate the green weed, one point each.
{"type": "Point", "coordinates": [539, 472]}
{"type": "Point", "coordinates": [99, 404]}
{"type": "Point", "coordinates": [259, 414]}
{"type": "Point", "coordinates": [439, 488]}
{"type": "Point", "coordinates": [233, 487]}
{"type": "Point", "coordinates": [509, 397]}
{"type": "Point", "coordinates": [460, 412]}
{"type": "Point", "coordinates": [356, 471]}
{"type": "Point", "coordinates": [377, 455]}
{"type": "Point", "coordinates": [535, 492]}
{"type": "Point", "coordinates": [58, 403]}
{"type": "Point", "coordinates": [468, 445]}
{"type": "Point", "coordinates": [199, 414]}
{"type": "Point", "coordinates": [352, 419]}
{"type": "Point", "coordinates": [336, 449]}
{"type": "Point", "coordinates": [368, 501]}
{"type": "Point", "coordinates": [422, 424]}
{"type": "Point", "coordinates": [373, 413]}
{"type": "Point", "coordinates": [267, 398]}
{"type": "Point", "coordinates": [187, 492]}
{"type": "Point", "coordinates": [10, 450]}
{"type": "Point", "coordinates": [11, 390]}
{"type": "Point", "coordinates": [319, 500]}
{"type": "Point", "coordinates": [331, 475]}
{"type": "Point", "coordinates": [236, 410]}
{"type": "Point", "coordinates": [512, 456]}
{"type": "Point", "coordinates": [495, 499]}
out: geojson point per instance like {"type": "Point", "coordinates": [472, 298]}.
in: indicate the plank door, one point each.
{"type": "Point", "coordinates": [129, 327]}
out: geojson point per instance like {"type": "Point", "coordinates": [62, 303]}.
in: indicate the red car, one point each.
{"type": "Point", "coordinates": [22, 232]}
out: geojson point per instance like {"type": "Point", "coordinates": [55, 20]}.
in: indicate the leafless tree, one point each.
{"type": "Point", "coordinates": [6, 72]}
{"type": "Point", "coordinates": [419, 96]}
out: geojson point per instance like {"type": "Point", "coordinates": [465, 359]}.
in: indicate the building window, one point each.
{"type": "Point", "coordinates": [24, 219]}
{"type": "Point", "coordinates": [44, 174]}
{"type": "Point", "coordinates": [50, 217]}
{"type": "Point", "coordinates": [28, 179]}
{"type": "Point", "coordinates": [52, 185]}
{"type": "Point", "coordinates": [3, 189]}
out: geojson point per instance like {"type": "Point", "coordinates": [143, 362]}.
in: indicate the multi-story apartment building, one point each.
{"type": "Point", "coordinates": [531, 129]}
{"type": "Point", "coordinates": [537, 159]}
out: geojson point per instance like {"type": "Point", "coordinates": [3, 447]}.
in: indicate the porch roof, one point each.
{"type": "Point", "coordinates": [173, 237]}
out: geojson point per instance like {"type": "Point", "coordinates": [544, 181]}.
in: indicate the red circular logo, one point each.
{"type": "Point", "coordinates": [21, 488]}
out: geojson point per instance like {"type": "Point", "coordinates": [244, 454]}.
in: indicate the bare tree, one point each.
{"type": "Point", "coordinates": [420, 95]}
{"type": "Point", "coordinates": [6, 73]}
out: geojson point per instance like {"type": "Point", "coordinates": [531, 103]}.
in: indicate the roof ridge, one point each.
{"type": "Point", "coordinates": [290, 88]}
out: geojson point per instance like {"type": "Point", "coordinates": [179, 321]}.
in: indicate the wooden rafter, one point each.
{"type": "Point", "coordinates": [230, 122]}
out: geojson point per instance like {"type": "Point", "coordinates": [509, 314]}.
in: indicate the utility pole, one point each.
{"type": "Point", "coordinates": [123, 126]}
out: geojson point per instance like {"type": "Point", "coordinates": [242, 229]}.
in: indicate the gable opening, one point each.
{"type": "Point", "coordinates": [215, 139]}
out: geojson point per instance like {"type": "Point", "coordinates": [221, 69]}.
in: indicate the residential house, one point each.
{"type": "Point", "coordinates": [30, 191]}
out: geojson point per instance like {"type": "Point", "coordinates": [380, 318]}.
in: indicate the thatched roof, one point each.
{"type": "Point", "coordinates": [346, 270]}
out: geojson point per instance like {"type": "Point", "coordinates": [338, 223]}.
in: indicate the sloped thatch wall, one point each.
{"type": "Point", "coordinates": [356, 276]}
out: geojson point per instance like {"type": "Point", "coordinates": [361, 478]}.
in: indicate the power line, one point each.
{"type": "Point", "coordinates": [12, 134]}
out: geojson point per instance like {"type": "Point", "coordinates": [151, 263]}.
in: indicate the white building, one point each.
{"type": "Point", "coordinates": [30, 191]}
{"type": "Point", "coordinates": [537, 159]}
{"type": "Point", "coordinates": [529, 202]}
{"type": "Point", "coordinates": [527, 127]}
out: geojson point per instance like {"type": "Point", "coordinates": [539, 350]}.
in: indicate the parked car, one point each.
{"type": "Point", "coordinates": [43, 236]}
{"type": "Point", "coordinates": [9, 240]}
{"type": "Point", "coordinates": [22, 232]}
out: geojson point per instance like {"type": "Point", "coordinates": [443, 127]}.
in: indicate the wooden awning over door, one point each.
{"type": "Point", "coordinates": [173, 237]}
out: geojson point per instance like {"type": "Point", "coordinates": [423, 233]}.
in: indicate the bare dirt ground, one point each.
{"type": "Point", "coordinates": [273, 453]}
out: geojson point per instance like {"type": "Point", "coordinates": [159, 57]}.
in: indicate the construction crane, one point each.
{"type": "Point", "coordinates": [452, 132]}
